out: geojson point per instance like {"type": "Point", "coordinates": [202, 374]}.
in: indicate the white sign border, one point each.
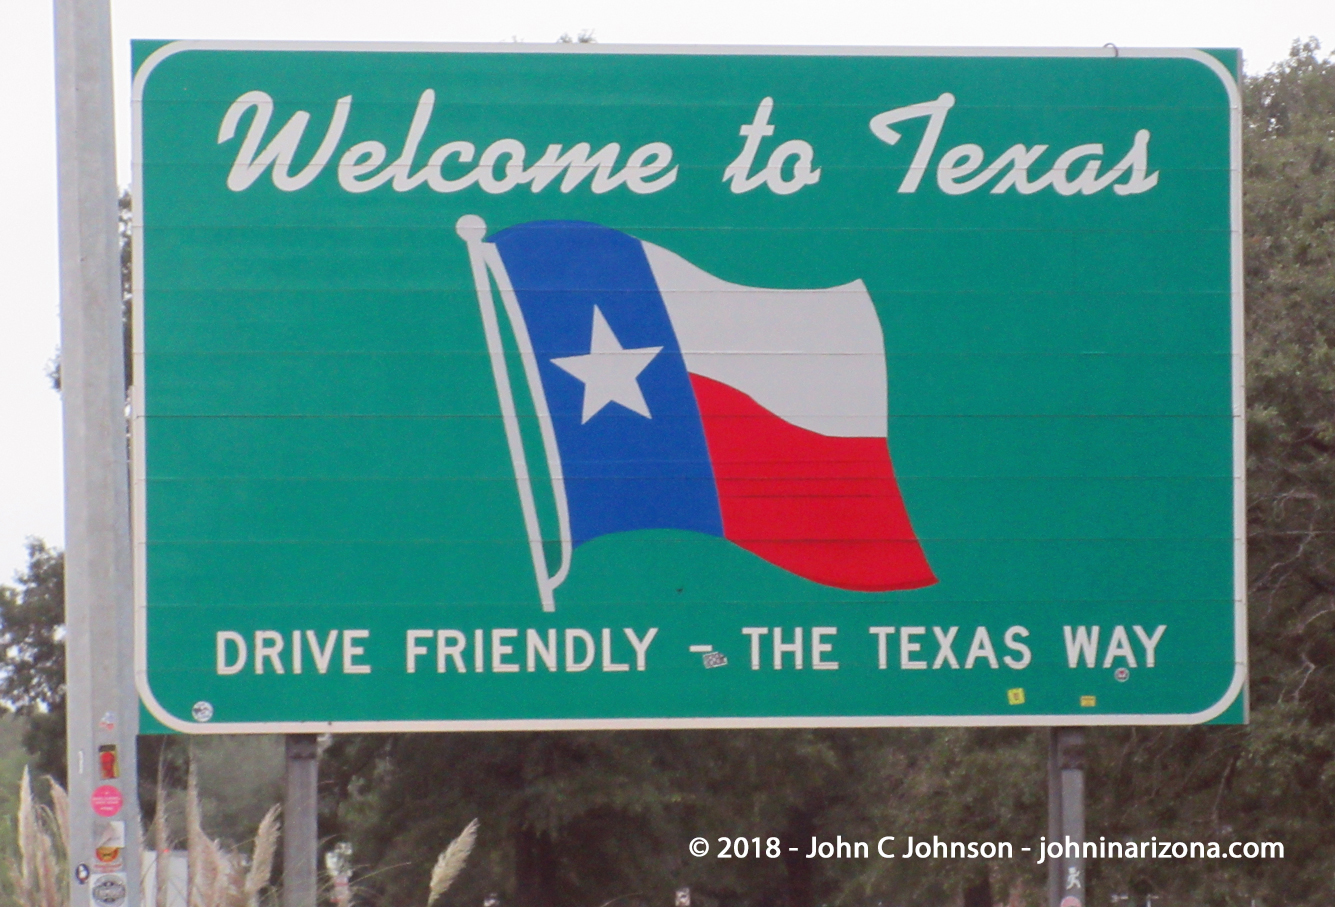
{"type": "Point", "coordinates": [138, 474]}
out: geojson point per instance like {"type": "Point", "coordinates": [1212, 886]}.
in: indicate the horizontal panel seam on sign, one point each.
{"type": "Point", "coordinates": [214, 478]}
{"type": "Point", "coordinates": [896, 416]}
{"type": "Point", "coordinates": [472, 622]}
{"type": "Point", "coordinates": [167, 225]}
{"type": "Point", "coordinates": [369, 478]}
{"type": "Point", "coordinates": [375, 484]}
{"type": "Point", "coordinates": [710, 358]}
{"type": "Point", "coordinates": [893, 416]}
{"type": "Point", "coordinates": [1052, 414]}
{"type": "Point", "coordinates": [430, 541]}
{"type": "Point", "coordinates": [412, 299]}
{"type": "Point", "coordinates": [418, 227]}
{"type": "Point", "coordinates": [484, 604]}
{"type": "Point", "coordinates": [904, 419]}
{"type": "Point", "coordinates": [688, 351]}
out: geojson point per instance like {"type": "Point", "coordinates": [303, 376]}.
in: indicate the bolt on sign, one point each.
{"type": "Point", "coordinates": [606, 387]}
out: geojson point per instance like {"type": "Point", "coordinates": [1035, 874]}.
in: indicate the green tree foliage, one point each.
{"type": "Point", "coordinates": [581, 819]}
{"type": "Point", "coordinates": [1290, 259]}
{"type": "Point", "coordinates": [240, 778]}
{"type": "Point", "coordinates": [401, 798]}
{"type": "Point", "coordinates": [32, 637]}
{"type": "Point", "coordinates": [1274, 780]}
{"type": "Point", "coordinates": [13, 757]}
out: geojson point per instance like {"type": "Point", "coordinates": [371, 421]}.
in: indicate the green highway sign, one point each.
{"type": "Point", "coordinates": [585, 386]}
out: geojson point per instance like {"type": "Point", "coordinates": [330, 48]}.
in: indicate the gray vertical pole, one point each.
{"type": "Point", "coordinates": [1054, 818]}
{"type": "Point", "coordinates": [1071, 755]}
{"type": "Point", "coordinates": [300, 836]}
{"type": "Point", "coordinates": [103, 716]}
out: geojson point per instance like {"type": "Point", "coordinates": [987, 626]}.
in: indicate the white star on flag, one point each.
{"type": "Point", "coordinates": [610, 373]}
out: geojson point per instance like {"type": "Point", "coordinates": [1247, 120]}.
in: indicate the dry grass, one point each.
{"type": "Point", "coordinates": [162, 846]}
{"type": "Point", "coordinates": [261, 858]}
{"type": "Point", "coordinates": [451, 862]}
{"type": "Point", "coordinates": [39, 873]}
{"type": "Point", "coordinates": [217, 875]}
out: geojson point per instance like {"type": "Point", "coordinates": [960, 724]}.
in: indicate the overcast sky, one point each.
{"type": "Point", "coordinates": [30, 451]}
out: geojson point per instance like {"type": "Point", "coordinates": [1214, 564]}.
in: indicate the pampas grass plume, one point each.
{"type": "Point", "coordinates": [451, 862]}
{"type": "Point", "coordinates": [25, 873]}
{"type": "Point", "coordinates": [217, 874]}
{"type": "Point", "coordinates": [161, 841]}
{"type": "Point", "coordinates": [60, 805]}
{"type": "Point", "coordinates": [208, 871]}
{"type": "Point", "coordinates": [37, 875]}
{"type": "Point", "coordinates": [261, 860]}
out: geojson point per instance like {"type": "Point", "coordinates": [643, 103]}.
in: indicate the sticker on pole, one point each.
{"type": "Point", "coordinates": [109, 846]}
{"type": "Point", "coordinates": [108, 890]}
{"type": "Point", "coordinates": [107, 800]}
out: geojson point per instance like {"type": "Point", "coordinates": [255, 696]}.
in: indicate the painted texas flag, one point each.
{"type": "Point", "coordinates": [671, 399]}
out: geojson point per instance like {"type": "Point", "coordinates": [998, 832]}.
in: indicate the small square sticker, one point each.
{"type": "Point", "coordinates": [1088, 702]}
{"type": "Point", "coordinates": [1015, 696]}
{"type": "Point", "coordinates": [109, 767]}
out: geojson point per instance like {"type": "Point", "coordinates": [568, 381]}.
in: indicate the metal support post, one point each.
{"type": "Point", "coordinates": [1054, 819]}
{"type": "Point", "coordinates": [103, 709]}
{"type": "Point", "coordinates": [1066, 816]}
{"type": "Point", "coordinates": [300, 835]}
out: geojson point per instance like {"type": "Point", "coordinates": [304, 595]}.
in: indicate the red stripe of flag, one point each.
{"type": "Point", "coordinates": [825, 508]}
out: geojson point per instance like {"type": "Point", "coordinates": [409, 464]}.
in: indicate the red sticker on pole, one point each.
{"type": "Point", "coordinates": [107, 800]}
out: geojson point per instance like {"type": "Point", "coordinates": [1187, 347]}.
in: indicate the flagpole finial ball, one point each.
{"type": "Point", "coordinates": [471, 228]}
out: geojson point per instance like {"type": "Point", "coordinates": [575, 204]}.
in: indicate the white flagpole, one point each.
{"type": "Point", "coordinates": [473, 230]}
{"type": "Point", "coordinates": [539, 394]}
